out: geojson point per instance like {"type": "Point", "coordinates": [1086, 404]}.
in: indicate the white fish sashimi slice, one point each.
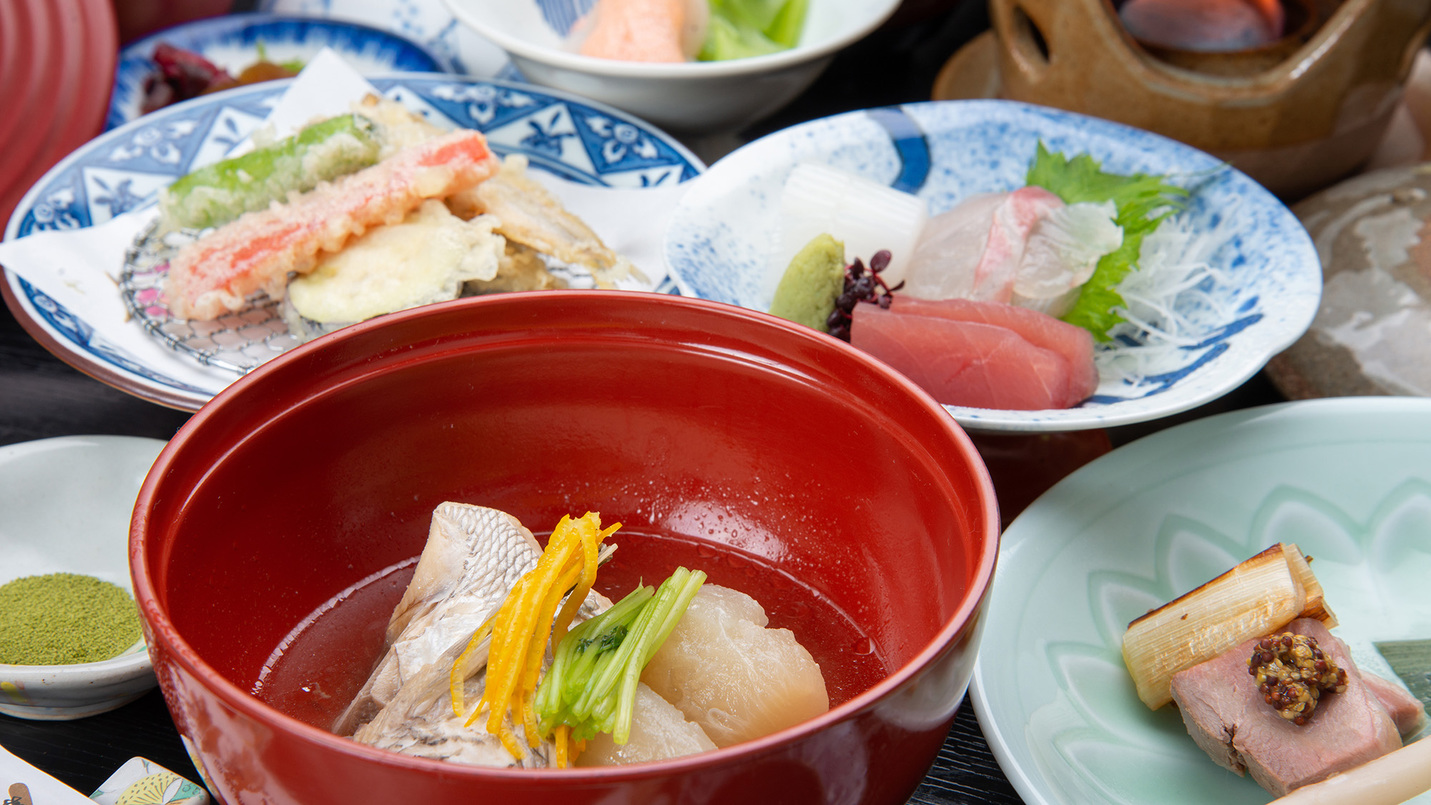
{"type": "Point", "coordinates": [1025, 247]}
{"type": "Point", "coordinates": [943, 263]}
{"type": "Point", "coordinates": [1061, 254]}
{"type": "Point", "coordinates": [472, 559]}
{"type": "Point", "coordinates": [1013, 225]}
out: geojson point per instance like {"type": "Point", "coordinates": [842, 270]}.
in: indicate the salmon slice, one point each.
{"type": "Point", "coordinates": [639, 30]}
{"type": "Point", "coordinates": [980, 354]}
{"type": "Point", "coordinates": [1230, 720]}
{"type": "Point", "coordinates": [216, 273]}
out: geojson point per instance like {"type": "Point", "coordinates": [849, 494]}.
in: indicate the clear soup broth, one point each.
{"type": "Point", "coordinates": [322, 664]}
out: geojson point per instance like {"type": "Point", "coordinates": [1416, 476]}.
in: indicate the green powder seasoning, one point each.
{"type": "Point", "coordinates": [64, 619]}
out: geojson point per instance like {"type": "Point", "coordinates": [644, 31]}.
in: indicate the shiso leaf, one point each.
{"type": "Point", "coordinates": [1142, 200]}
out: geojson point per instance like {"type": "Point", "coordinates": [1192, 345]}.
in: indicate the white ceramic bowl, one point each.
{"type": "Point", "coordinates": [64, 508]}
{"type": "Point", "coordinates": [689, 97]}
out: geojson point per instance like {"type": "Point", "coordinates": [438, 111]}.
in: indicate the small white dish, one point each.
{"type": "Point", "coordinates": [1345, 479]}
{"type": "Point", "coordinates": [717, 241]}
{"type": "Point", "coordinates": [695, 97]}
{"type": "Point", "coordinates": [65, 505]}
{"type": "Point", "coordinates": [232, 42]}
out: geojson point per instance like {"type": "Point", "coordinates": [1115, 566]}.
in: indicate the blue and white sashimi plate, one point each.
{"type": "Point", "coordinates": [580, 141]}
{"type": "Point", "coordinates": [235, 41]}
{"type": "Point", "coordinates": [1260, 293]}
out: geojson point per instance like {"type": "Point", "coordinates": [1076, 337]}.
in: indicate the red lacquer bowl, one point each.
{"type": "Point", "coordinates": [764, 442]}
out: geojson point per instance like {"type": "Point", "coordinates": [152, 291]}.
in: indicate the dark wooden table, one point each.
{"type": "Point", "coordinates": [42, 397]}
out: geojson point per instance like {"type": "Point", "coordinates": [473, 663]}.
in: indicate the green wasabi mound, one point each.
{"type": "Point", "coordinates": [811, 283]}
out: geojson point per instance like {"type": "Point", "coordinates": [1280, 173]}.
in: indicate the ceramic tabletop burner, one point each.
{"type": "Point", "coordinates": [1296, 93]}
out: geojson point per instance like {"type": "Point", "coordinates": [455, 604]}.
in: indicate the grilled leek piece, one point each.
{"type": "Point", "coordinates": [1255, 598]}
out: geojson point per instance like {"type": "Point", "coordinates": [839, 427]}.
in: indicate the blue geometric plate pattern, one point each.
{"type": "Point", "coordinates": [121, 170]}
{"type": "Point", "coordinates": [233, 42]}
{"type": "Point", "coordinates": [1347, 480]}
{"type": "Point", "coordinates": [1260, 296]}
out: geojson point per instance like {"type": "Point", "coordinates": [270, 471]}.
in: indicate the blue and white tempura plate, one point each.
{"type": "Point", "coordinates": [1261, 294]}
{"type": "Point", "coordinates": [575, 139]}
{"type": "Point", "coordinates": [233, 42]}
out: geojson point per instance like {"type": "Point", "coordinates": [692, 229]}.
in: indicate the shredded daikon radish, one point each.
{"type": "Point", "coordinates": [1169, 305]}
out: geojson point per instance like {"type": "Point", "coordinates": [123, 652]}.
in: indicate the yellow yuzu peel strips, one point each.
{"type": "Point", "coordinates": [524, 624]}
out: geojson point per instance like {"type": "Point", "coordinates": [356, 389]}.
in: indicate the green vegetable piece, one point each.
{"type": "Point", "coordinates": [1143, 201]}
{"type": "Point", "coordinates": [740, 29]}
{"type": "Point", "coordinates": [726, 41]}
{"type": "Point", "coordinates": [223, 191]}
{"type": "Point", "coordinates": [787, 26]}
{"type": "Point", "coordinates": [591, 684]}
{"type": "Point", "coordinates": [811, 283]}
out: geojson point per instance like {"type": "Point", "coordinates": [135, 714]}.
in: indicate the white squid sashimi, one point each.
{"type": "Point", "coordinates": [733, 676]}
{"type": "Point", "coordinates": [1023, 247]}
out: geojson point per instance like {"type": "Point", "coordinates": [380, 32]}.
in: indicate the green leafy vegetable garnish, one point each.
{"type": "Point", "coordinates": [292, 65]}
{"type": "Point", "coordinates": [1143, 201]}
{"type": "Point", "coordinates": [739, 29]}
{"type": "Point", "coordinates": [591, 684]}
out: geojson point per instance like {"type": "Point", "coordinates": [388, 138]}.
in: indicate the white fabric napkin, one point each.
{"type": "Point", "coordinates": [18, 777]}
{"type": "Point", "coordinates": [80, 268]}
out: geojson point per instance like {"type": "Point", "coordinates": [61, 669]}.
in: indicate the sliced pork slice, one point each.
{"type": "Point", "coordinates": [1228, 718]}
{"type": "Point", "coordinates": [1405, 710]}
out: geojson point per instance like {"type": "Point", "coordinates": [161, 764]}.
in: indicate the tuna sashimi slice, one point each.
{"type": "Point", "coordinates": [1074, 343]}
{"type": "Point", "coordinates": [1228, 718]}
{"type": "Point", "coordinates": [980, 354]}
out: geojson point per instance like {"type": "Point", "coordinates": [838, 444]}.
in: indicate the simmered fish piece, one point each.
{"type": "Point", "coordinates": [420, 721]}
{"type": "Point", "coordinates": [473, 557]}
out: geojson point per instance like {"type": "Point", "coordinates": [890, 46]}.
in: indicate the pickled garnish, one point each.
{"type": "Point", "coordinates": [1292, 674]}
{"type": "Point", "coordinates": [861, 285]}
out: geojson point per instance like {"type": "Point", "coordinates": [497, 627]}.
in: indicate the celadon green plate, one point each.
{"type": "Point", "coordinates": [1348, 480]}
